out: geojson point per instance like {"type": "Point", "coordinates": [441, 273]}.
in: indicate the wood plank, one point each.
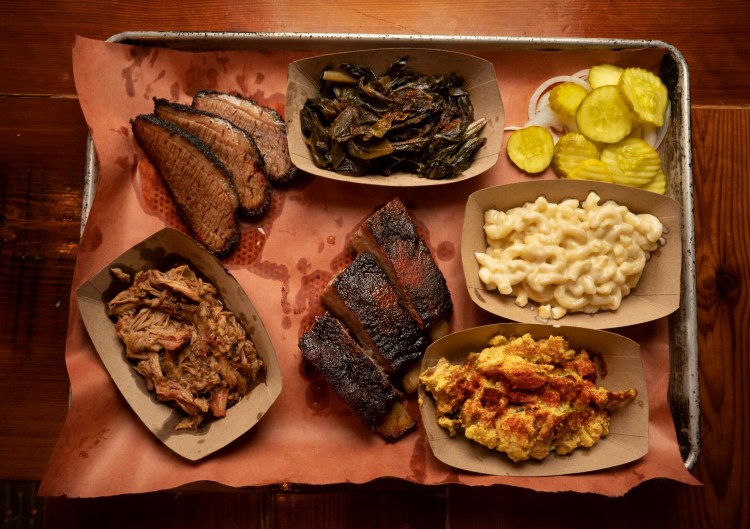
{"type": "Point", "coordinates": [712, 35]}
{"type": "Point", "coordinates": [721, 165]}
{"type": "Point", "coordinates": [42, 153]}
{"type": "Point", "coordinates": [161, 510]}
{"type": "Point", "coordinates": [383, 504]}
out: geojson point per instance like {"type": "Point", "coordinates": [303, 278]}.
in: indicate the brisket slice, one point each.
{"type": "Point", "coordinates": [198, 182]}
{"type": "Point", "coordinates": [232, 145]}
{"type": "Point", "coordinates": [263, 124]}
{"type": "Point", "coordinates": [355, 378]}
{"type": "Point", "coordinates": [364, 299]}
{"type": "Point", "coordinates": [391, 236]}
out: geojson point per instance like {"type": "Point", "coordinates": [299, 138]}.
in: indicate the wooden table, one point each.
{"type": "Point", "coordinates": [42, 159]}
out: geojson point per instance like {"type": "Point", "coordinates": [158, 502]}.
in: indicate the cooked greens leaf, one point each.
{"type": "Point", "coordinates": [401, 120]}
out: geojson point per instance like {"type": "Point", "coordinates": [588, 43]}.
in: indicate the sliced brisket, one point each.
{"type": "Point", "coordinates": [232, 145]}
{"type": "Point", "coordinates": [197, 180]}
{"type": "Point", "coordinates": [263, 124]}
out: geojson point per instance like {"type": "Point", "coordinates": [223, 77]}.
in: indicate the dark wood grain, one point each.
{"type": "Point", "coordinates": [42, 157]}
{"type": "Point", "coordinates": [713, 36]}
{"type": "Point", "coordinates": [722, 189]}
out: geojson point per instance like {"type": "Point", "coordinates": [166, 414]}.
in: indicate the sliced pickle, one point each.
{"type": "Point", "coordinates": [658, 184]}
{"type": "Point", "coordinates": [645, 95]}
{"type": "Point", "coordinates": [632, 162]}
{"type": "Point", "coordinates": [604, 116]}
{"type": "Point", "coordinates": [591, 169]}
{"type": "Point", "coordinates": [604, 75]}
{"type": "Point", "coordinates": [531, 148]}
{"type": "Point", "coordinates": [565, 98]}
{"type": "Point", "coordinates": [571, 150]}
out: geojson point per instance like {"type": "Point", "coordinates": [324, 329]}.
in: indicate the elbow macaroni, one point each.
{"type": "Point", "coordinates": [567, 257]}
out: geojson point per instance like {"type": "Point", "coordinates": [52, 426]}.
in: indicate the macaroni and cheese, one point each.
{"type": "Point", "coordinates": [571, 256]}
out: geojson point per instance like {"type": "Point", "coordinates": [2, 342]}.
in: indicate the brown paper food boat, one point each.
{"type": "Point", "coordinates": [658, 291]}
{"type": "Point", "coordinates": [163, 250]}
{"type": "Point", "coordinates": [479, 79]}
{"type": "Point", "coordinates": [628, 432]}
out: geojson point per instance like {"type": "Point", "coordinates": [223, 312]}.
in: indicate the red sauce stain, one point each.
{"type": "Point", "coordinates": [286, 308]}
{"type": "Point", "coordinates": [149, 87]}
{"type": "Point", "coordinates": [445, 251]}
{"type": "Point", "coordinates": [92, 239]}
{"type": "Point", "coordinates": [223, 60]}
{"type": "Point", "coordinates": [286, 323]}
{"type": "Point", "coordinates": [275, 101]}
{"type": "Point", "coordinates": [174, 91]}
{"type": "Point", "coordinates": [343, 259]}
{"type": "Point", "coordinates": [139, 53]}
{"type": "Point", "coordinates": [242, 82]}
{"type": "Point", "coordinates": [259, 78]}
{"type": "Point", "coordinates": [307, 302]}
{"type": "Point", "coordinates": [197, 79]}
{"type": "Point", "coordinates": [331, 240]}
{"type": "Point", "coordinates": [308, 371]}
{"type": "Point", "coordinates": [154, 55]}
{"type": "Point", "coordinates": [90, 442]}
{"type": "Point", "coordinates": [127, 75]}
{"type": "Point", "coordinates": [122, 162]}
{"type": "Point", "coordinates": [317, 395]}
{"type": "Point", "coordinates": [303, 265]}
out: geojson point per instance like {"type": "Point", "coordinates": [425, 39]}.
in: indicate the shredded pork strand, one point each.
{"type": "Point", "coordinates": [191, 351]}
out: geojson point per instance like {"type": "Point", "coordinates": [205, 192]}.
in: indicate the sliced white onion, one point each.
{"type": "Point", "coordinates": [582, 74]}
{"type": "Point", "coordinates": [648, 134]}
{"type": "Point", "coordinates": [547, 118]}
{"type": "Point", "coordinates": [661, 133]}
{"type": "Point", "coordinates": [543, 101]}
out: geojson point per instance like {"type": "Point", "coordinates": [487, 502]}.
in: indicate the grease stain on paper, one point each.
{"type": "Point", "coordinates": [317, 395]}
{"type": "Point", "coordinates": [88, 443]}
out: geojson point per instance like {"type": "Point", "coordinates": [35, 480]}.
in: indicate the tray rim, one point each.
{"type": "Point", "coordinates": [683, 323]}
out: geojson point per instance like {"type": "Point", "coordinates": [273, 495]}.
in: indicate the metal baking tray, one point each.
{"type": "Point", "coordinates": [683, 393]}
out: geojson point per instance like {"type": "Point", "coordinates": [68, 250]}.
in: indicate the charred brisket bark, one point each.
{"type": "Point", "coordinates": [198, 182]}
{"type": "Point", "coordinates": [232, 145]}
{"type": "Point", "coordinates": [264, 125]}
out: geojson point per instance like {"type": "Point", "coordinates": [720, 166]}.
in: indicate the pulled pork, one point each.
{"type": "Point", "coordinates": [192, 352]}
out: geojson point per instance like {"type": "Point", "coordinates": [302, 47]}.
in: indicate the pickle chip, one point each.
{"type": "Point", "coordinates": [604, 116]}
{"type": "Point", "coordinates": [565, 98]}
{"type": "Point", "coordinates": [645, 95]}
{"type": "Point", "coordinates": [604, 74]}
{"type": "Point", "coordinates": [632, 162]}
{"type": "Point", "coordinates": [658, 184]}
{"type": "Point", "coordinates": [591, 169]}
{"type": "Point", "coordinates": [570, 151]}
{"type": "Point", "coordinates": [531, 148]}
